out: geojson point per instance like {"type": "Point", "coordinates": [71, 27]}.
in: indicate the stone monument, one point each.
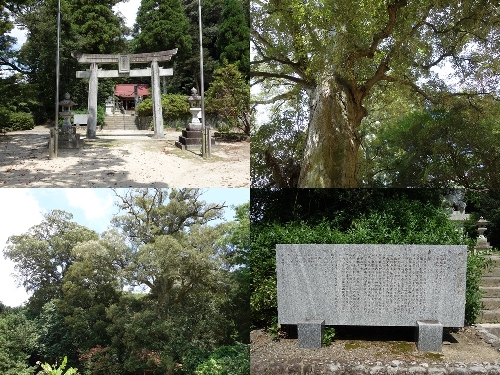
{"type": "Point", "coordinates": [372, 285]}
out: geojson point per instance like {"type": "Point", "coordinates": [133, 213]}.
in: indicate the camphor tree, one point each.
{"type": "Point", "coordinates": [338, 54]}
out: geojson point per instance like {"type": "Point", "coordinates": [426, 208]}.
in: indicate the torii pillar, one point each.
{"type": "Point", "coordinates": [92, 103]}
{"type": "Point", "coordinates": [124, 70]}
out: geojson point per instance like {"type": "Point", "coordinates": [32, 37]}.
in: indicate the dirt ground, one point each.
{"type": "Point", "coordinates": [375, 344]}
{"type": "Point", "coordinates": [120, 158]}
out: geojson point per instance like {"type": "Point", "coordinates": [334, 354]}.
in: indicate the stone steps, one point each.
{"type": "Point", "coordinates": [490, 285]}
{"type": "Point", "coordinates": [491, 291]}
{"type": "Point", "coordinates": [491, 303]}
{"type": "Point", "coordinates": [490, 281]}
{"type": "Point", "coordinates": [120, 122]}
{"type": "Point", "coordinates": [489, 316]}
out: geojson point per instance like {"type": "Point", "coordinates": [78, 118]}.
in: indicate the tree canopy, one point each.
{"type": "Point", "coordinates": [339, 56]}
{"type": "Point", "coordinates": [161, 290]}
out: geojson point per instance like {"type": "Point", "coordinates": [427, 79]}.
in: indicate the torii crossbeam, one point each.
{"type": "Point", "coordinates": [124, 70]}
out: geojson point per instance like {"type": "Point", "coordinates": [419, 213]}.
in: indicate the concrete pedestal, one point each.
{"type": "Point", "coordinates": [191, 140]}
{"type": "Point", "coordinates": [310, 333]}
{"type": "Point", "coordinates": [69, 139]}
{"type": "Point", "coordinates": [429, 336]}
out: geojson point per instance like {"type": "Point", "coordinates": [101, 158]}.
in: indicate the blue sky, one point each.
{"type": "Point", "coordinates": [94, 208]}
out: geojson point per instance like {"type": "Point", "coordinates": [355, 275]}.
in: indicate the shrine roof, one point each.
{"type": "Point", "coordinates": [126, 90]}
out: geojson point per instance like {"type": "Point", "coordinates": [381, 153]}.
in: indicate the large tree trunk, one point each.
{"type": "Point", "coordinates": [331, 150]}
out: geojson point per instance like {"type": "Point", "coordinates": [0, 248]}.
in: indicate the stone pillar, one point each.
{"type": "Point", "coordinates": [430, 336]}
{"type": "Point", "coordinates": [310, 333]}
{"type": "Point", "coordinates": [157, 111]}
{"type": "Point", "coordinates": [92, 109]}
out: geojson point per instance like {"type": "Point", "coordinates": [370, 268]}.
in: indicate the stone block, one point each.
{"type": "Point", "coordinates": [372, 285]}
{"type": "Point", "coordinates": [429, 336]}
{"type": "Point", "coordinates": [310, 333]}
{"type": "Point", "coordinates": [80, 119]}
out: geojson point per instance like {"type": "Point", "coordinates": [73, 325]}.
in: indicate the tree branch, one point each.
{"type": "Point", "coordinates": [300, 81]}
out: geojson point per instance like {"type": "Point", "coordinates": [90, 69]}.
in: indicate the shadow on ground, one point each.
{"type": "Point", "coordinates": [24, 160]}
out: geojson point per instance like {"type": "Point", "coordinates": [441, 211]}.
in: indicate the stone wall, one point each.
{"type": "Point", "coordinates": [305, 367]}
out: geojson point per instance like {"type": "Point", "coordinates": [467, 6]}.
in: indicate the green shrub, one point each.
{"type": "Point", "coordinates": [101, 114]}
{"type": "Point", "coordinates": [476, 264]}
{"type": "Point", "coordinates": [21, 121]}
{"type": "Point", "coordinates": [174, 107]}
{"type": "Point", "coordinates": [145, 108]}
{"type": "Point", "coordinates": [227, 360]}
{"type": "Point", "coordinates": [328, 336]}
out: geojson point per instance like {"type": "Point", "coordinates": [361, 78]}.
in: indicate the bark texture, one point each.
{"type": "Point", "coordinates": [332, 145]}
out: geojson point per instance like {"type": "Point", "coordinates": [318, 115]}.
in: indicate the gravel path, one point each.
{"type": "Point", "coordinates": [368, 347]}
{"type": "Point", "coordinates": [120, 159]}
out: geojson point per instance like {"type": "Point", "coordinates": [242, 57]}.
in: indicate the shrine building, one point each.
{"type": "Point", "coordinates": [129, 94]}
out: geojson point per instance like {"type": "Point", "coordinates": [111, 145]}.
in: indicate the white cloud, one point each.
{"type": "Point", "coordinates": [19, 212]}
{"type": "Point", "coordinates": [129, 10]}
{"type": "Point", "coordinates": [95, 203]}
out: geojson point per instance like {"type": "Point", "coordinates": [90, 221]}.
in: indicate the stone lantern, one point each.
{"type": "Point", "coordinates": [482, 241]}
{"type": "Point", "coordinates": [68, 138]}
{"type": "Point", "coordinates": [195, 109]}
{"type": "Point", "coordinates": [191, 138]}
{"type": "Point", "coordinates": [66, 112]}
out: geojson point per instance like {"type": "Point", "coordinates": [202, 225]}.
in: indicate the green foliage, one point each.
{"type": "Point", "coordinates": [229, 97]}
{"type": "Point", "coordinates": [227, 360]}
{"type": "Point", "coordinates": [161, 25]}
{"type": "Point", "coordinates": [18, 340]}
{"type": "Point", "coordinates": [328, 336]}
{"type": "Point", "coordinates": [100, 360]}
{"type": "Point", "coordinates": [274, 330]}
{"type": "Point", "coordinates": [102, 29]}
{"type": "Point", "coordinates": [43, 255]}
{"type": "Point", "coordinates": [101, 114]}
{"type": "Point", "coordinates": [476, 264]}
{"type": "Point", "coordinates": [329, 50]}
{"type": "Point", "coordinates": [20, 121]}
{"type": "Point", "coordinates": [174, 107]}
{"type": "Point", "coordinates": [193, 272]}
{"type": "Point", "coordinates": [54, 337]}
{"type": "Point", "coordinates": [440, 147]}
{"type": "Point", "coordinates": [276, 149]}
{"type": "Point", "coordinates": [49, 370]}
{"type": "Point", "coordinates": [234, 35]}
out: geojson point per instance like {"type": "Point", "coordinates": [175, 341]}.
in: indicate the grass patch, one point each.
{"type": "Point", "coordinates": [431, 355]}
{"type": "Point", "coordinates": [398, 347]}
{"type": "Point", "coordinates": [355, 345]}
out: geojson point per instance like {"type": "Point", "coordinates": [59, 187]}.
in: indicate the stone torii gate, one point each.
{"type": "Point", "coordinates": [124, 70]}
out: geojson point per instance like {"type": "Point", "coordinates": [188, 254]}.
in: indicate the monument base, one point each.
{"type": "Point", "coordinates": [69, 139]}
{"type": "Point", "coordinates": [191, 140]}
{"type": "Point", "coordinates": [429, 336]}
{"type": "Point", "coordinates": [310, 333]}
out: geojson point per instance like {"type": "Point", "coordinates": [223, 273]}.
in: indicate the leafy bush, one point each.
{"type": "Point", "coordinates": [227, 360]}
{"type": "Point", "coordinates": [101, 114]}
{"type": "Point", "coordinates": [21, 121]}
{"type": "Point", "coordinates": [174, 107]}
{"type": "Point", "coordinates": [394, 221]}
{"type": "Point", "coordinates": [476, 263]}
{"type": "Point", "coordinates": [145, 108]}
{"type": "Point", "coordinates": [328, 336]}
{"type": "Point", "coordinates": [49, 370]}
